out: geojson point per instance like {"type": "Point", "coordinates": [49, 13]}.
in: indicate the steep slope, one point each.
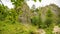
{"type": "Point", "coordinates": [54, 9]}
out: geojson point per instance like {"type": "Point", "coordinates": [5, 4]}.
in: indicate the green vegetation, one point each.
{"type": "Point", "coordinates": [22, 20]}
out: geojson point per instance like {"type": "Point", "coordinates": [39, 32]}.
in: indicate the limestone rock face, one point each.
{"type": "Point", "coordinates": [56, 30]}
{"type": "Point", "coordinates": [28, 13]}
{"type": "Point", "coordinates": [55, 10]}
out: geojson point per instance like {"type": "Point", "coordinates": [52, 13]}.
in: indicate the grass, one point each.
{"type": "Point", "coordinates": [17, 28]}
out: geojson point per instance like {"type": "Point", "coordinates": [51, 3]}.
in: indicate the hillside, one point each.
{"type": "Point", "coordinates": [22, 20]}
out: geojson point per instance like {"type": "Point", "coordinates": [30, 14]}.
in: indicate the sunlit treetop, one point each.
{"type": "Point", "coordinates": [17, 2]}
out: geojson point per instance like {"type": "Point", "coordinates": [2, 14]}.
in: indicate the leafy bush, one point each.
{"type": "Point", "coordinates": [49, 18]}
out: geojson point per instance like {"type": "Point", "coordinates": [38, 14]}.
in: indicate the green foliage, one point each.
{"type": "Point", "coordinates": [3, 12]}
{"type": "Point", "coordinates": [17, 28]}
{"type": "Point", "coordinates": [10, 24]}
{"type": "Point", "coordinates": [58, 21]}
{"type": "Point", "coordinates": [35, 0]}
{"type": "Point", "coordinates": [49, 13]}
{"type": "Point", "coordinates": [49, 18]}
{"type": "Point", "coordinates": [40, 0]}
{"type": "Point", "coordinates": [17, 2]}
{"type": "Point", "coordinates": [35, 20]}
{"type": "Point", "coordinates": [7, 14]}
{"type": "Point", "coordinates": [48, 22]}
{"type": "Point", "coordinates": [48, 31]}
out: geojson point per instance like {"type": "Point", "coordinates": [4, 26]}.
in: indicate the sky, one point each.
{"type": "Point", "coordinates": [31, 3]}
{"type": "Point", "coordinates": [43, 3]}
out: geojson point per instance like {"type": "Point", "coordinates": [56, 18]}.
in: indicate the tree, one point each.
{"type": "Point", "coordinates": [49, 18]}
{"type": "Point", "coordinates": [3, 12]}
{"type": "Point", "coordinates": [36, 18]}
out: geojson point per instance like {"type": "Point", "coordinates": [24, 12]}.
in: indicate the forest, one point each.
{"type": "Point", "coordinates": [23, 20]}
